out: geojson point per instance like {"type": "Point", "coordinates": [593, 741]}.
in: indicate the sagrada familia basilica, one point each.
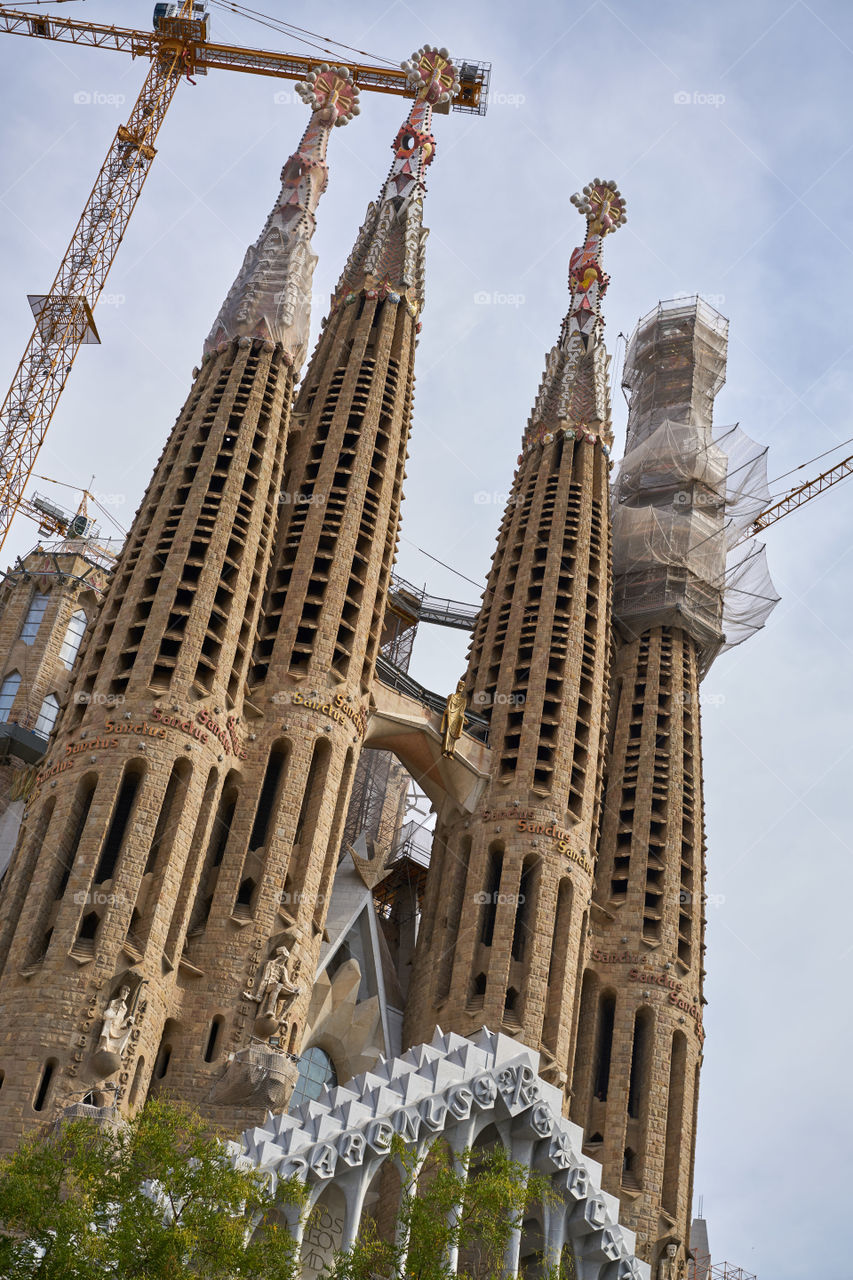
{"type": "Point", "coordinates": [210, 884]}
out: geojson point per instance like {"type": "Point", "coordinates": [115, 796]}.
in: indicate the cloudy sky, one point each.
{"type": "Point", "coordinates": [727, 128]}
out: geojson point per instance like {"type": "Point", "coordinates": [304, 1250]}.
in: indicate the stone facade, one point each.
{"type": "Point", "coordinates": [640, 1036]}
{"type": "Point", "coordinates": [507, 905]}
{"type": "Point", "coordinates": [128, 815]}
{"type": "Point", "coordinates": [167, 921]}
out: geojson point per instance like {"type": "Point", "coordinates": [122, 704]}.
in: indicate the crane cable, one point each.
{"type": "Point", "coordinates": [296, 33]}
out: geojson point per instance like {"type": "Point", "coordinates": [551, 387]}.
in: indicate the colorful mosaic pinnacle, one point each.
{"type": "Point", "coordinates": [604, 209]}
{"type": "Point", "coordinates": [330, 90]}
{"type": "Point", "coordinates": [271, 296]}
{"type": "Point", "coordinates": [388, 258]}
{"type": "Point", "coordinates": [573, 396]}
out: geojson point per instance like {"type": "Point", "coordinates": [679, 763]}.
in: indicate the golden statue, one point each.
{"type": "Point", "coordinates": [453, 720]}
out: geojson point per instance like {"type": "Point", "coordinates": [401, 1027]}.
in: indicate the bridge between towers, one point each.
{"type": "Point", "coordinates": [406, 716]}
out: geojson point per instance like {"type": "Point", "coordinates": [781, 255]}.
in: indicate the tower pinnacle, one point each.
{"type": "Point", "coordinates": [387, 259]}
{"type": "Point", "coordinates": [271, 296]}
{"type": "Point", "coordinates": [573, 394]}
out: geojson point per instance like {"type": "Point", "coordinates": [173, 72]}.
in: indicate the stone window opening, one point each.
{"type": "Point", "coordinates": [164, 1052]}
{"type": "Point", "coordinates": [120, 820]}
{"type": "Point", "coordinates": [523, 908]}
{"type": "Point", "coordinates": [316, 1073]}
{"type": "Point", "coordinates": [211, 1048]}
{"type": "Point", "coordinates": [245, 896]}
{"type": "Point", "coordinates": [8, 693]}
{"type": "Point", "coordinates": [270, 792]}
{"type": "Point", "coordinates": [220, 832]}
{"type": "Point", "coordinates": [47, 715]}
{"type": "Point", "coordinates": [133, 1097]}
{"type": "Point", "coordinates": [478, 992]}
{"type": "Point", "coordinates": [35, 613]}
{"type": "Point", "coordinates": [639, 1063]}
{"type": "Point", "coordinates": [74, 633]}
{"type": "Point", "coordinates": [46, 1080]}
{"type": "Point", "coordinates": [604, 1047]}
{"type": "Point", "coordinates": [493, 884]}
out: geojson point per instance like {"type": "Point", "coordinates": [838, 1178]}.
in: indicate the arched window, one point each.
{"type": "Point", "coordinates": [47, 716]}
{"type": "Point", "coordinates": [8, 693]}
{"type": "Point", "coordinates": [316, 1073]}
{"type": "Point", "coordinates": [32, 622]}
{"type": "Point", "coordinates": [73, 638]}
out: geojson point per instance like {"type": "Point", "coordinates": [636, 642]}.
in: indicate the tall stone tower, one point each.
{"type": "Point", "coordinates": [128, 806]}
{"type": "Point", "coordinates": [507, 903]}
{"type": "Point", "coordinates": [639, 1048]}
{"type": "Point", "coordinates": [47, 601]}
{"type": "Point", "coordinates": [323, 607]}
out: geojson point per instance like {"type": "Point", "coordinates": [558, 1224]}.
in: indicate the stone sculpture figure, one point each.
{"type": "Point", "coordinates": [667, 1267]}
{"type": "Point", "coordinates": [274, 993]}
{"type": "Point", "coordinates": [113, 1037]}
{"type": "Point", "coordinates": [117, 1024]}
{"type": "Point", "coordinates": [453, 720]}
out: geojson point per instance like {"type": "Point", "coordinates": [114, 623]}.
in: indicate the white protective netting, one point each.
{"type": "Point", "coordinates": [682, 503]}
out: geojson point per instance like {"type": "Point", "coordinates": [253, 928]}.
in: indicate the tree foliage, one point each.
{"type": "Point", "coordinates": [155, 1198]}
{"type": "Point", "coordinates": [159, 1198]}
{"type": "Point", "coordinates": [468, 1205]}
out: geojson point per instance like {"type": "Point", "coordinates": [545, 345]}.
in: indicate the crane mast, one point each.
{"type": "Point", "coordinates": [64, 318]}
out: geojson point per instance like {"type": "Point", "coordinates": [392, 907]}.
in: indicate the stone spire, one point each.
{"type": "Point", "coordinates": [574, 390]}
{"type": "Point", "coordinates": [271, 296]}
{"type": "Point", "coordinates": [506, 909]}
{"type": "Point", "coordinates": [388, 255]}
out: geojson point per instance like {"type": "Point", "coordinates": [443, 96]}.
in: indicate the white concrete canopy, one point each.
{"type": "Point", "coordinates": [453, 1088]}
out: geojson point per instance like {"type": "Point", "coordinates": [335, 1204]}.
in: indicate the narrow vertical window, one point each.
{"type": "Point", "coordinates": [8, 693]}
{"type": "Point", "coordinates": [674, 1123]}
{"type": "Point", "coordinates": [44, 1085]}
{"type": "Point", "coordinates": [493, 885]}
{"type": "Point", "coordinates": [32, 622]}
{"type": "Point", "coordinates": [73, 638]}
{"type": "Point", "coordinates": [604, 1047]}
{"type": "Point", "coordinates": [46, 718]}
{"type": "Point", "coordinates": [120, 821]}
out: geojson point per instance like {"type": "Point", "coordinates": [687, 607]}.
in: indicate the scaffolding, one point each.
{"type": "Point", "coordinates": [685, 490]}
{"type": "Point", "coordinates": [701, 1268]}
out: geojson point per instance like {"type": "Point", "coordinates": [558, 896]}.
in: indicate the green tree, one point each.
{"type": "Point", "coordinates": [155, 1198]}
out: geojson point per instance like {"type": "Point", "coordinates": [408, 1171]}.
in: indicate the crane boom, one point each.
{"type": "Point", "coordinates": [201, 55]}
{"type": "Point", "coordinates": [799, 496]}
{"type": "Point", "coordinates": [64, 316]}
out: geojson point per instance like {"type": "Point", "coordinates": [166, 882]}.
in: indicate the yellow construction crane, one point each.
{"type": "Point", "coordinates": [178, 48]}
